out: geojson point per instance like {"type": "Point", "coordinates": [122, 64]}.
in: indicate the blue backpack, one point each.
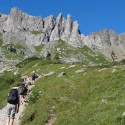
{"type": "Point", "coordinates": [13, 96]}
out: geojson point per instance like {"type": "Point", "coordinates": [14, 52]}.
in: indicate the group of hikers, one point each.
{"type": "Point", "coordinates": [16, 97]}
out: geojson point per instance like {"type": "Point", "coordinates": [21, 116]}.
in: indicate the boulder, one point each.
{"type": "Point", "coordinates": [61, 74]}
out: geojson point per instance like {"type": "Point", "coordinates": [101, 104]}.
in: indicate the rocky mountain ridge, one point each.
{"type": "Point", "coordinates": [26, 34]}
{"type": "Point", "coordinates": [49, 28]}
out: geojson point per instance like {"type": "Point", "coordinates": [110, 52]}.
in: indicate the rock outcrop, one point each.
{"type": "Point", "coordinates": [35, 30]}
{"type": "Point", "coordinates": [31, 31]}
{"type": "Point", "coordinates": [108, 43]}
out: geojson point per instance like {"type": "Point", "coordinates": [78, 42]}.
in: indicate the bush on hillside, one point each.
{"type": "Point", "coordinates": [1, 42]}
{"type": "Point", "coordinates": [12, 49]}
{"type": "Point", "coordinates": [56, 59]}
{"type": "Point", "coordinates": [28, 60]}
{"type": "Point", "coordinates": [34, 97]}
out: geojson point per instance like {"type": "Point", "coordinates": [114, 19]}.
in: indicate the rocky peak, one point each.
{"type": "Point", "coordinates": [68, 27]}
{"type": "Point", "coordinates": [15, 10]}
{"type": "Point", "coordinates": [121, 37]}
{"type": "Point", "coordinates": [107, 42]}
{"type": "Point", "coordinates": [59, 18]}
{"type": "Point", "coordinates": [49, 28]}
{"type": "Point", "coordinates": [34, 31]}
{"type": "Point", "coordinates": [14, 20]}
{"type": "Point", "coordinates": [52, 29]}
{"type": "Point", "coordinates": [69, 22]}
{"type": "Point", "coordinates": [3, 18]}
{"type": "Point", "coordinates": [49, 23]}
{"type": "Point", "coordinates": [18, 20]}
{"type": "Point", "coordinates": [59, 28]}
{"type": "Point", "coordinates": [75, 27]}
{"type": "Point", "coordinates": [103, 38]}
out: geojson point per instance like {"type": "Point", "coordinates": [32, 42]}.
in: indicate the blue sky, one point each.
{"type": "Point", "coordinates": [92, 15]}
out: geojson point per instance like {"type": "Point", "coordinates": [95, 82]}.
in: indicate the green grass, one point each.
{"type": "Point", "coordinates": [95, 96]}
{"type": "Point", "coordinates": [19, 46]}
{"type": "Point", "coordinates": [88, 56]}
{"type": "Point", "coordinates": [36, 32]}
{"type": "Point", "coordinates": [38, 49]}
{"type": "Point", "coordinates": [65, 49]}
{"type": "Point", "coordinates": [1, 42]}
{"type": "Point", "coordinates": [84, 54]}
{"type": "Point", "coordinates": [26, 61]}
{"type": "Point", "coordinates": [14, 46]}
{"type": "Point", "coordinates": [76, 99]}
{"type": "Point", "coordinates": [12, 53]}
{"type": "Point", "coordinates": [16, 43]}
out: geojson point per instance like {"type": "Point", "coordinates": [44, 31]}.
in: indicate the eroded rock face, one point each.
{"type": "Point", "coordinates": [107, 42]}
{"type": "Point", "coordinates": [68, 28]}
{"type": "Point", "coordinates": [18, 20]}
{"type": "Point", "coordinates": [59, 27]}
{"type": "Point", "coordinates": [34, 31]}
{"type": "Point", "coordinates": [75, 38]}
{"type": "Point", "coordinates": [3, 18]}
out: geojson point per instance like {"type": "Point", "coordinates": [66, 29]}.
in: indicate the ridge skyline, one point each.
{"type": "Point", "coordinates": [65, 17]}
{"type": "Point", "coordinates": [91, 15]}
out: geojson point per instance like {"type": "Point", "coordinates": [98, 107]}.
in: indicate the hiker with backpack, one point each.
{"type": "Point", "coordinates": [34, 76]}
{"type": "Point", "coordinates": [23, 92]}
{"type": "Point", "coordinates": [13, 103]}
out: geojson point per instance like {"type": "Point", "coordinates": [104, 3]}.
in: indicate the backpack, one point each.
{"type": "Point", "coordinates": [23, 90]}
{"type": "Point", "coordinates": [34, 76]}
{"type": "Point", "coordinates": [13, 96]}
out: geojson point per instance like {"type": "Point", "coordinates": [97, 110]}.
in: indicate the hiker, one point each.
{"type": "Point", "coordinates": [23, 92]}
{"type": "Point", "coordinates": [34, 76]}
{"type": "Point", "coordinates": [12, 105]}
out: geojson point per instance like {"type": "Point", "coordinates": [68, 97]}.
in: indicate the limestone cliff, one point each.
{"type": "Point", "coordinates": [22, 33]}
{"type": "Point", "coordinates": [49, 29]}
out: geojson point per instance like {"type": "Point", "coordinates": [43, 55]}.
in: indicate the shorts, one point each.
{"type": "Point", "coordinates": [11, 110]}
{"type": "Point", "coordinates": [33, 79]}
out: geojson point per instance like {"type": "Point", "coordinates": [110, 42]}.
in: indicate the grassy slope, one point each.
{"type": "Point", "coordinates": [12, 55]}
{"type": "Point", "coordinates": [76, 99]}
{"type": "Point", "coordinates": [16, 44]}
{"type": "Point", "coordinates": [84, 54]}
